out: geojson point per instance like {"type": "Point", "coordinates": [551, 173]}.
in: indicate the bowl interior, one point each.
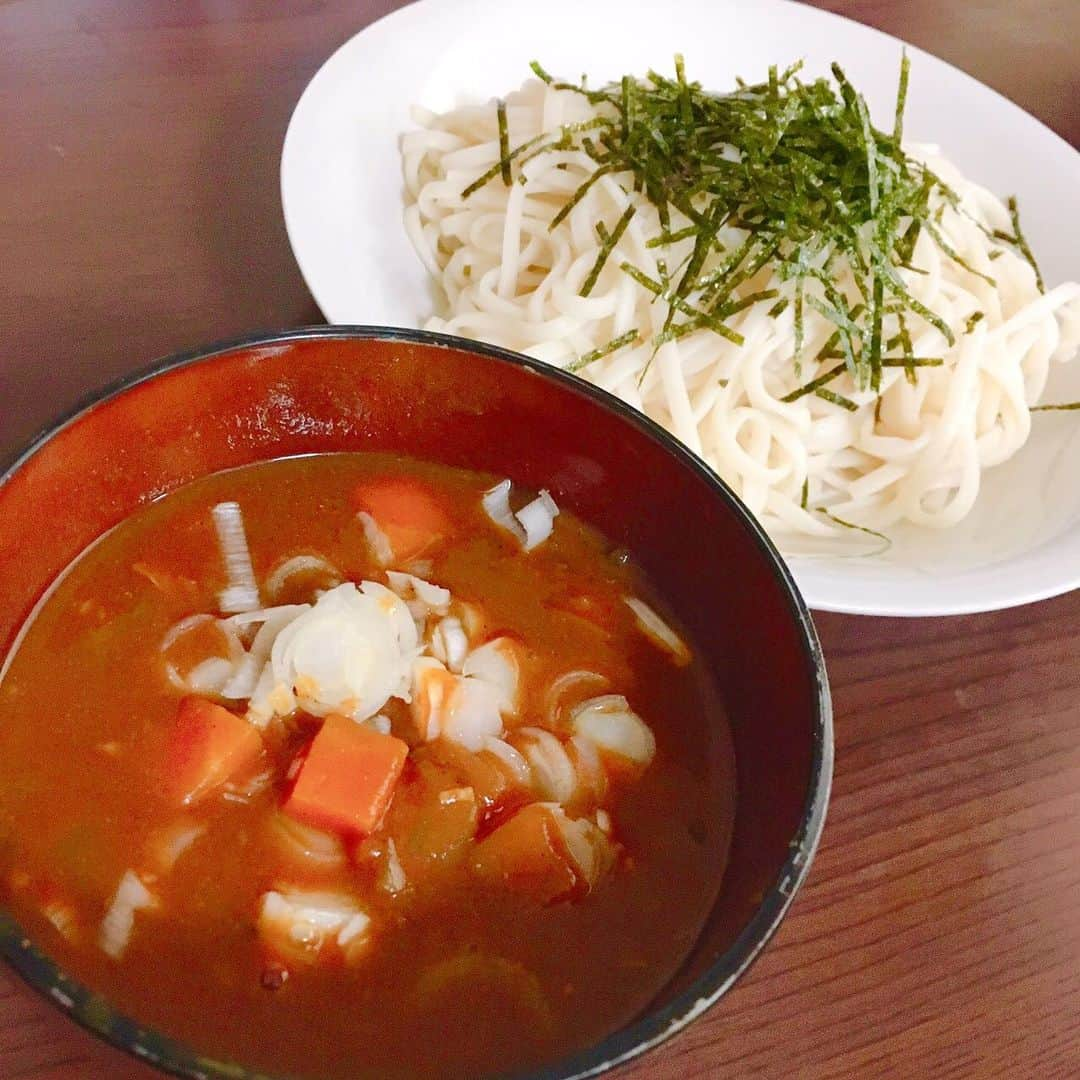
{"type": "Point", "coordinates": [332, 391]}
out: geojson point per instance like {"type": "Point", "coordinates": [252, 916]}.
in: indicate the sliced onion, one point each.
{"type": "Point", "coordinates": [300, 925]}
{"type": "Point", "coordinates": [496, 664]}
{"type": "Point", "coordinates": [184, 626]}
{"type": "Point", "coordinates": [246, 674]}
{"type": "Point", "coordinates": [131, 896]}
{"type": "Point", "coordinates": [305, 844]}
{"type": "Point", "coordinates": [588, 766]}
{"type": "Point", "coordinates": [537, 519]}
{"type": "Point", "coordinates": [496, 503]}
{"type": "Point", "coordinates": [167, 846]}
{"type": "Point", "coordinates": [393, 878]}
{"type": "Point", "coordinates": [209, 676]}
{"type": "Point", "coordinates": [658, 631]}
{"type": "Point", "coordinates": [586, 844]}
{"type": "Point", "coordinates": [563, 685]}
{"type": "Point", "coordinates": [614, 727]}
{"type": "Point", "coordinates": [553, 775]}
{"type": "Point", "coordinates": [300, 564]}
{"type": "Point", "coordinates": [450, 643]}
{"type": "Point", "coordinates": [408, 586]}
{"type": "Point", "coordinates": [432, 688]}
{"type": "Point", "coordinates": [473, 715]}
{"type": "Point", "coordinates": [515, 764]}
{"type": "Point", "coordinates": [377, 540]}
{"type": "Point", "coordinates": [241, 593]}
{"type": "Point", "coordinates": [472, 619]}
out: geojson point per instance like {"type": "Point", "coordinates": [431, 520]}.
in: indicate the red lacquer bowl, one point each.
{"type": "Point", "coordinates": [429, 396]}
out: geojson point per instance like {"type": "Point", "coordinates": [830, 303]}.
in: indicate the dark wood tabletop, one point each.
{"type": "Point", "coordinates": [938, 934]}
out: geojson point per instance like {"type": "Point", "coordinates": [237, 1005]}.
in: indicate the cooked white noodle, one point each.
{"type": "Point", "coordinates": [509, 279]}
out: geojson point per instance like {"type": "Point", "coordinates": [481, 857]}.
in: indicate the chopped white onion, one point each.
{"type": "Point", "coordinates": [450, 643]}
{"type": "Point", "coordinates": [613, 726]}
{"type": "Point", "coordinates": [306, 845]}
{"type": "Point", "coordinates": [531, 525]}
{"type": "Point", "coordinates": [553, 775]}
{"type": "Point", "coordinates": [587, 764]}
{"type": "Point", "coordinates": [537, 519]}
{"type": "Point", "coordinates": [131, 896]}
{"type": "Point", "coordinates": [246, 674]}
{"type": "Point", "coordinates": [409, 586]}
{"type": "Point", "coordinates": [241, 593]}
{"type": "Point", "coordinates": [432, 688]}
{"type": "Point", "coordinates": [301, 925]}
{"type": "Point", "coordinates": [587, 845]}
{"type": "Point", "coordinates": [658, 631]}
{"type": "Point", "coordinates": [561, 687]}
{"type": "Point", "coordinates": [515, 764]}
{"type": "Point", "coordinates": [184, 626]}
{"type": "Point", "coordinates": [496, 663]}
{"type": "Point", "coordinates": [473, 714]}
{"type": "Point", "coordinates": [393, 878]}
{"type": "Point", "coordinates": [377, 540]}
{"type": "Point", "coordinates": [209, 676]}
{"type": "Point", "coordinates": [300, 564]}
{"type": "Point", "coordinates": [496, 503]}
{"type": "Point", "coordinates": [167, 846]}
{"type": "Point", "coordinates": [350, 652]}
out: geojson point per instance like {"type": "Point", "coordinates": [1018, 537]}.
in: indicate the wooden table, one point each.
{"type": "Point", "coordinates": [939, 932]}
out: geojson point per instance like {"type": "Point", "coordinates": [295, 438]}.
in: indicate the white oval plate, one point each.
{"type": "Point", "coordinates": [342, 196]}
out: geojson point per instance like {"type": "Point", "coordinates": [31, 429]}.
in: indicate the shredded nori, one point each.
{"type": "Point", "coordinates": [797, 166]}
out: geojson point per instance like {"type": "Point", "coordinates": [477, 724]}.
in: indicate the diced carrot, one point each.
{"type": "Point", "coordinates": [208, 745]}
{"type": "Point", "coordinates": [347, 779]}
{"type": "Point", "coordinates": [527, 854]}
{"type": "Point", "coordinates": [407, 512]}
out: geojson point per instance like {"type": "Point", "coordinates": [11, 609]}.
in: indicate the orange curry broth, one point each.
{"type": "Point", "coordinates": [460, 978]}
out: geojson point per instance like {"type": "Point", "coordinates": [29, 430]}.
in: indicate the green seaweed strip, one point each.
{"type": "Point", "coordinates": [631, 337]}
{"type": "Point", "coordinates": [643, 279]}
{"type": "Point", "coordinates": [1021, 242]}
{"type": "Point", "coordinates": [815, 384]}
{"type": "Point", "coordinates": [580, 194]}
{"type": "Point", "coordinates": [901, 98]}
{"type": "Point", "coordinates": [836, 399]}
{"type": "Point", "coordinates": [858, 528]}
{"type": "Point", "coordinates": [504, 142]}
{"type": "Point", "coordinates": [606, 249]}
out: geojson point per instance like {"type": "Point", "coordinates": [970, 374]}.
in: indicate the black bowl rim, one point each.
{"type": "Point", "coordinates": [628, 1042]}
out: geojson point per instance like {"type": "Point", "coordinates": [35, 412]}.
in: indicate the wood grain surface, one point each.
{"type": "Point", "coordinates": [939, 932]}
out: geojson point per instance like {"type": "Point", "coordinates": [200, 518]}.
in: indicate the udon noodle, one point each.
{"type": "Point", "coordinates": [808, 467]}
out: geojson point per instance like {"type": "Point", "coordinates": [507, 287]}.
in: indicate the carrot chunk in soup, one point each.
{"type": "Point", "coordinates": [408, 513]}
{"type": "Point", "coordinates": [208, 746]}
{"type": "Point", "coordinates": [348, 777]}
{"type": "Point", "coordinates": [527, 854]}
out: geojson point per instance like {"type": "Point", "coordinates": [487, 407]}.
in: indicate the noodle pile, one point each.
{"type": "Point", "coordinates": [806, 465]}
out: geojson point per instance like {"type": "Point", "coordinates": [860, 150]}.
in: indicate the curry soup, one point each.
{"type": "Point", "coordinates": [351, 765]}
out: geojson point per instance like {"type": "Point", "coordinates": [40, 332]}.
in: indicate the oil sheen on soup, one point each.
{"type": "Point", "coordinates": [352, 765]}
